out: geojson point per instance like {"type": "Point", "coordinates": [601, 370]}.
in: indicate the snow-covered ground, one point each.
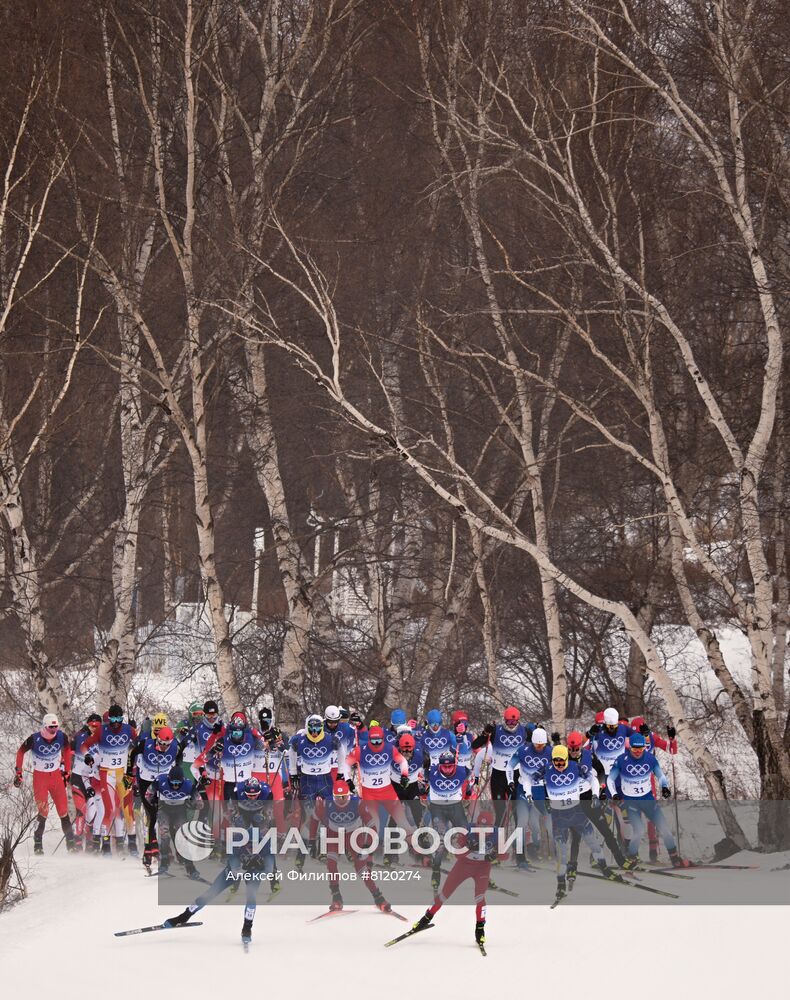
{"type": "Point", "coordinates": [60, 942]}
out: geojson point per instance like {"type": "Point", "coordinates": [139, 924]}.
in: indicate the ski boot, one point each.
{"type": "Point", "coordinates": [425, 921]}
{"type": "Point", "coordinates": [179, 919]}
{"type": "Point", "coordinates": [94, 847]}
{"type": "Point", "coordinates": [299, 862]}
{"type": "Point", "coordinates": [533, 852]}
{"type": "Point", "coordinates": [381, 903]}
{"type": "Point", "coordinates": [608, 872]}
{"type": "Point", "coordinates": [246, 933]}
{"type": "Point", "coordinates": [150, 852]}
{"type": "Point", "coordinates": [337, 901]}
{"type": "Point", "coordinates": [192, 872]}
{"type": "Point", "coordinates": [436, 878]}
{"type": "Point", "coordinates": [131, 846]}
{"type": "Point", "coordinates": [677, 861]}
{"type": "Point", "coordinates": [480, 932]}
{"type": "Point", "coordinates": [106, 847]}
{"type": "Point", "coordinates": [312, 846]}
{"type": "Point", "coordinates": [524, 866]}
{"type": "Point", "coordinates": [630, 864]}
{"type": "Point", "coordinates": [570, 875]}
{"type": "Point", "coordinates": [562, 888]}
{"type": "Point", "coordinates": [38, 847]}
{"type": "Point", "coordinates": [653, 855]}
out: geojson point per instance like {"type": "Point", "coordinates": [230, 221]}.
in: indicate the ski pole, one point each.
{"type": "Point", "coordinates": [675, 796]}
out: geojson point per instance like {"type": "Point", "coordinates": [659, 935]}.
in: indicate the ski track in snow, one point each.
{"type": "Point", "coordinates": [61, 938]}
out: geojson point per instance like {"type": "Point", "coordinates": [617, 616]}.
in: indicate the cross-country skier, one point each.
{"type": "Point", "coordinates": [187, 736]}
{"type": "Point", "coordinates": [583, 757]}
{"type": "Point", "coordinates": [437, 738]}
{"type": "Point", "coordinates": [345, 735]}
{"type": "Point", "coordinates": [471, 863]}
{"type": "Point", "coordinates": [252, 811]}
{"type": "Point", "coordinates": [150, 757]}
{"type": "Point", "coordinates": [630, 781]}
{"type": "Point", "coordinates": [270, 763]}
{"type": "Point", "coordinates": [410, 793]}
{"type": "Point", "coordinates": [113, 741]}
{"type": "Point", "coordinates": [343, 812]}
{"type": "Point", "coordinates": [82, 790]}
{"type": "Point", "coordinates": [496, 744]}
{"type": "Point", "coordinates": [447, 784]}
{"type": "Point", "coordinates": [463, 737]}
{"type": "Point", "coordinates": [653, 742]}
{"type": "Point", "coordinates": [312, 765]}
{"type": "Point", "coordinates": [51, 757]}
{"type": "Point", "coordinates": [526, 787]}
{"type": "Point", "coordinates": [374, 761]}
{"type": "Point", "coordinates": [170, 794]}
{"type": "Point", "coordinates": [564, 780]}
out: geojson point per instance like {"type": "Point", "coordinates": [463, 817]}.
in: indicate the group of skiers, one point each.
{"type": "Point", "coordinates": [338, 770]}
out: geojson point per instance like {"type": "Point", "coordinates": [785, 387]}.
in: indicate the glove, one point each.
{"type": "Point", "coordinates": [511, 790]}
{"type": "Point", "coordinates": [17, 779]}
{"type": "Point", "coordinates": [665, 793]}
{"type": "Point", "coordinates": [617, 797]}
{"type": "Point", "coordinates": [671, 732]}
{"type": "Point", "coordinates": [351, 786]}
{"type": "Point", "coordinates": [470, 786]}
{"type": "Point", "coordinates": [594, 729]}
{"type": "Point", "coordinates": [644, 729]}
{"type": "Point", "coordinates": [66, 776]}
{"type": "Point", "coordinates": [128, 781]}
{"type": "Point", "coordinates": [89, 792]}
{"type": "Point", "coordinates": [404, 781]}
{"type": "Point", "coordinates": [203, 781]}
{"type": "Point", "coordinates": [556, 738]}
{"type": "Point", "coordinates": [295, 783]}
{"type": "Point", "coordinates": [422, 789]}
{"type": "Point", "coordinates": [603, 795]}
{"type": "Point", "coordinates": [88, 759]}
{"type": "Point", "coordinates": [217, 727]}
{"type": "Point", "coordinates": [489, 728]}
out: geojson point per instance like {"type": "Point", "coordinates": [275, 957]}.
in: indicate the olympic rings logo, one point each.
{"type": "Point", "coordinates": [443, 785]}
{"type": "Point", "coordinates": [637, 770]}
{"type": "Point", "coordinates": [534, 763]}
{"type": "Point", "coordinates": [610, 743]}
{"type": "Point", "coordinates": [238, 751]}
{"type": "Point", "coordinates": [312, 752]}
{"type": "Point", "coordinates": [434, 744]}
{"type": "Point", "coordinates": [158, 759]}
{"type": "Point", "coordinates": [47, 749]}
{"type": "Point", "coordinates": [376, 759]}
{"type": "Point", "coordinates": [510, 741]}
{"type": "Point", "coordinates": [342, 817]}
{"type": "Point", "coordinates": [116, 741]}
{"type": "Point", "coordinates": [563, 778]}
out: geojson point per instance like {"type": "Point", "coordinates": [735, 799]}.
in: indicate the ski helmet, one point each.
{"type": "Point", "coordinates": [447, 762]}
{"type": "Point", "coordinates": [460, 716]}
{"type": "Point", "coordinates": [340, 790]}
{"type": "Point", "coordinates": [599, 718]}
{"type": "Point", "coordinates": [376, 736]}
{"type": "Point", "coordinates": [265, 717]}
{"type": "Point", "coordinates": [511, 715]}
{"type": "Point", "coordinates": [164, 736]}
{"type": "Point", "coordinates": [252, 788]}
{"type": "Point", "coordinates": [210, 708]}
{"type": "Point", "coordinates": [637, 742]}
{"type": "Point", "coordinates": [637, 722]}
{"type": "Point", "coordinates": [355, 720]}
{"type": "Point", "coordinates": [610, 717]}
{"type": "Point", "coordinates": [406, 743]}
{"type": "Point", "coordinates": [343, 714]}
{"type": "Point", "coordinates": [331, 713]}
{"type": "Point", "coordinates": [434, 719]}
{"type": "Point", "coordinates": [397, 718]}
{"type": "Point", "coordinates": [314, 727]}
{"type": "Point", "coordinates": [539, 737]}
{"type": "Point", "coordinates": [115, 715]}
{"type": "Point", "coordinates": [236, 729]}
{"type": "Point", "coordinates": [195, 710]}
{"type": "Point", "coordinates": [239, 719]}
{"type": "Point", "coordinates": [575, 740]}
{"type": "Point", "coordinates": [175, 777]}
{"type": "Point", "coordinates": [559, 757]}
{"type": "Point", "coordinates": [50, 721]}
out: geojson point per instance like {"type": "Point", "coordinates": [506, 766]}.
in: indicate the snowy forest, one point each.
{"type": "Point", "coordinates": [439, 343]}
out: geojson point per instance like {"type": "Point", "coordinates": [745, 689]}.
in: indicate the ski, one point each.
{"type": "Point", "coordinates": [245, 943]}
{"type": "Point", "coordinates": [393, 913]}
{"type": "Point", "coordinates": [331, 913]}
{"type": "Point", "coordinates": [402, 937]}
{"type": "Point", "coordinates": [734, 868]}
{"type": "Point", "coordinates": [558, 899]}
{"type": "Point", "coordinates": [158, 927]}
{"type": "Point", "coordinates": [668, 873]}
{"type": "Point", "coordinates": [492, 885]}
{"type": "Point", "coordinates": [620, 880]}
{"type": "Point", "coordinates": [482, 948]}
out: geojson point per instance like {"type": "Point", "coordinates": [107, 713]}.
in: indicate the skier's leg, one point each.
{"type": "Point", "coordinates": [637, 822]}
